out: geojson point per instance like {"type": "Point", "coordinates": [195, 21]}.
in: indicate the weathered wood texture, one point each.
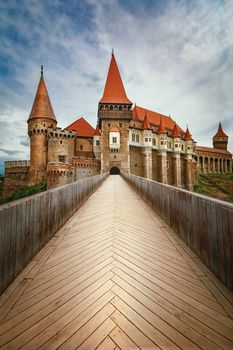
{"type": "Point", "coordinates": [27, 225]}
{"type": "Point", "coordinates": [203, 223]}
{"type": "Point", "coordinates": [113, 277]}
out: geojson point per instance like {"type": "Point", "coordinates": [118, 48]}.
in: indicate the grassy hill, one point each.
{"type": "Point", "coordinates": [218, 186]}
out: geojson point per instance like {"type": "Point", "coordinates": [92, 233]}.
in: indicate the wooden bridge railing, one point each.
{"type": "Point", "coordinates": [26, 225]}
{"type": "Point", "coordinates": [203, 223]}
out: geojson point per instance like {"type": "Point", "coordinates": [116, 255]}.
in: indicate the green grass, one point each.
{"type": "Point", "coordinates": [24, 192]}
{"type": "Point", "coordinates": [202, 185]}
{"type": "Point", "coordinates": [218, 186]}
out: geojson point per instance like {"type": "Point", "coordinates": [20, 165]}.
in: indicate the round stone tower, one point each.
{"type": "Point", "coordinates": [40, 119]}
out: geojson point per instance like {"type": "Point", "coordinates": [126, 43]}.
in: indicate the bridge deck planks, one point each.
{"type": "Point", "coordinates": [116, 278]}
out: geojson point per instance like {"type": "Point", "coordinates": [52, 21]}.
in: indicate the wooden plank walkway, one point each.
{"type": "Point", "coordinates": [114, 277]}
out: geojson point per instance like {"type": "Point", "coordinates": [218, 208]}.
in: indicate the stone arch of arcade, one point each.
{"type": "Point", "coordinates": [211, 164]}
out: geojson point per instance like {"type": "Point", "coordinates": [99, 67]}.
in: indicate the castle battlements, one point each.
{"type": "Point", "coordinates": [17, 163]}
{"type": "Point", "coordinates": [61, 133]}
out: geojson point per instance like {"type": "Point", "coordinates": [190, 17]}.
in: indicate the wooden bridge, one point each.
{"type": "Point", "coordinates": [116, 277]}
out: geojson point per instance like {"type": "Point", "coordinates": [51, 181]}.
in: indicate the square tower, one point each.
{"type": "Point", "coordinates": [114, 115]}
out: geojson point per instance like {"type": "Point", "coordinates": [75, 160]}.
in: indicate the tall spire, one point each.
{"type": "Point", "coordinates": [42, 107]}
{"type": "Point", "coordinates": [41, 72]}
{"type": "Point", "coordinates": [114, 91]}
{"type": "Point", "coordinates": [187, 135]}
{"type": "Point", "coordinates": [220, 132]}
{"type": "Point", "coordinates": [161, 129]}
{"type": "Point", "coordinates": [146, 124]}
{"type": "Point", "coordinates": [175, 131]}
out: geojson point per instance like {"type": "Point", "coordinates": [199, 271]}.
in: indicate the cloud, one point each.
{"type": "Point", "coordinates": [9, 152]}
{"type": "Point", "coordinates": [24, 141]}
{"type": "Point", "coordinates": [175, 57]}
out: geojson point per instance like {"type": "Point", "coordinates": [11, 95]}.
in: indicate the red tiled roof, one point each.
{"type": "Point", "coordinates": [212, 150]}
{"type": "Point", "coordinates": [161, 129]}
{"type": "Point", "coordinates": [220, 132]}
{"type": "Point", "coordinates": [187, 135]}
{"type": "Point", "coordinates": [175, 131]}
{"type": "Point", "coordinates": [154, 118]}
{"type": "Point", "coordinates": [97, 131]}
{"type": "Point", "coordinates": [114, 129]}
{"type": "Point", "coordinates": [114, 91]}
{"type": "Point", "coordinates": [42, 106]}
{"type": "Point", "coordinates": [146, 124]}
{"type": "Point", "coordinates": [82, 128]}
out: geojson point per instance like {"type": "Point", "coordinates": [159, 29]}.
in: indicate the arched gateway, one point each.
{"type": "Point", "coordinates": [114, 171]}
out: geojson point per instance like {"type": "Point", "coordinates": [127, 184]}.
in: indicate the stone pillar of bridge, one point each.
{"type": "Point", "coordinates": [208, 168]}
{"type": "Point", "coordinates": [230, 170]}
{"type": "Point", "coordinates": [189, 172]}
{"type": "Point", "coordinates": [177, 169]}
{"type": "Point", "coordinates": [213, 165]}
{"type": "Point", "coordinates": [147, 163]}
{"type": "Point", "coordinates": [163, 155]}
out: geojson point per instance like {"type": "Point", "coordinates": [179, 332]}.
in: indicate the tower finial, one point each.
{"type": "Point", "coordinates": [112, 52]}
{"type": "Point", "coordinates": [41, 71]}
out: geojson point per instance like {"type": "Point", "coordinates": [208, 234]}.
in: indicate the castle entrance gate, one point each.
{"type": "Point", "coordinates": [114, 171]}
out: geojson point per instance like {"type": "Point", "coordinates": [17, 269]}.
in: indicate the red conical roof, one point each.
{"type": "Point", "coordinates": [42, 106]}
{"type": "Point", "coordinates": [175, 131]}
{"type": "Point", "coordinates": [97, 131]}
{"type": "Point", "coordinates": [82, 128]}
{"type": "Point", "coordinates": [146, 124]}
{"type": "Point", "coordinates": [161, 129]}
{"type": "Point", "coordinates": [187, 135]}
{"type": "Point", "coordinates": [114, 91]}
{"type": "Point", "coordinates": [220, 132]}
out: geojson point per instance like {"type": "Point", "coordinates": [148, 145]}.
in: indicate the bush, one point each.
{"type": "Point", "coordinates": [24, 192]}
{"type": "Point", "coordinates": [28, 191]}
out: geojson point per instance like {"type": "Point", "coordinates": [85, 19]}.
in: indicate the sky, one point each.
{"type": "Point", "coordinates": [175, 57]}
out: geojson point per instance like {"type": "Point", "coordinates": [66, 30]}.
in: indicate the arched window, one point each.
{"type": "Point", "coordinates": [120, 108]}
{"type": "Point", "coordinates": [133, 137]}
{"type": "Point", "coordinates": [137, 138]}
{"type": "Point", "coordinates": [111, 107]}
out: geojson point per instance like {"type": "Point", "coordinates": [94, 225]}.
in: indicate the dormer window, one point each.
{"type": "Point", "coordinates": [114, 140]}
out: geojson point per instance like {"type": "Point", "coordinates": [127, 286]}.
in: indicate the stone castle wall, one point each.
{"type": "Point", "coordinates": [136, 161]}
{"type": "Point", "coordinates": [16, 176]}
{"type": "Point", "coordinates": [61, 145]}
{"type": "Point", "coordinates": [113, 158]}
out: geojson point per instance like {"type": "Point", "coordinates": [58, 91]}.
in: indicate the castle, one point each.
{"type": "Point", "coordinates": [127, 138]}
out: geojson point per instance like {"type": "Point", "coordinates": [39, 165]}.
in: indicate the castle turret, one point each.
{"type": "Point", "coordinates": [40, 119]}
{"type": "Point", "coordinates": [176, 135]}
{"type": "Point", "coordinates": [220, 139]}
{"type": "Point", "coordinates": [163, 152]}
{"type": "Point", "coordinates": [147, 149]}
{"type": "Point", "coordinates": [188, 159]}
